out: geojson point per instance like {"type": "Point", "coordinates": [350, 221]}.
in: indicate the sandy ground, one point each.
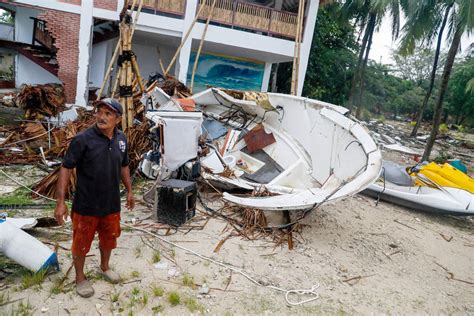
{"type": "Point", "coordinates": [366, 259]}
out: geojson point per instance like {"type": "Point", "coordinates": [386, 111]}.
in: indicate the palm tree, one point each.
{"type": "Point", "coordinates": [368, 14]}
{"type": "Point", "coordinates": [422, 24]}
{"type": "Point", "coordinates": [461, 21]}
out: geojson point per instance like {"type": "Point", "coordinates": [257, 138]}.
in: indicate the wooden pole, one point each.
{"type": "Point", "coordinates": [295, 56]}
{"type": "Point", "coordinates": [200, 45]}
{"type": "Point", "coordinates": [298, 58]}
{"type": "Point", "coordinates": [173, 60]}
{"type": "Point", "coordinates": [160, 60]}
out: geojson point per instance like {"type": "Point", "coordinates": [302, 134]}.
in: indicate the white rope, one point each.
{"type": "Point", "coordinates": [33, 191]}
{"type": "Point", "coordinates": [311, 291]}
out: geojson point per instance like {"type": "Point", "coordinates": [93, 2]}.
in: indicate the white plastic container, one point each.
{"type": "Point", "coordinates": [25, 249]}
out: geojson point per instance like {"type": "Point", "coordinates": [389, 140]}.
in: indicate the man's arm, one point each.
{"type": "Point", "coordinates": [61, 210]}
{"type": "Point", "coordinates": [125, 174]}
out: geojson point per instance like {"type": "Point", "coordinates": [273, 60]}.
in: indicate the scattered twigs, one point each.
{"type": "Point", "coordinates": [354, 280]}
{"type": "Point", "coordinates": [401, 223]}
{"type": "Point", "coordinates": [161, 252]}
{"type": "Point", "coordinates": [450, 275]}
{"type": "Point", "coordinates": [221, 243]}
{"type": "Point", "coordinates": [12, 301]}
{"type": "Point", "coordinates": [445, 237]}
{"type": "Point", "coordinates": [229, 280]}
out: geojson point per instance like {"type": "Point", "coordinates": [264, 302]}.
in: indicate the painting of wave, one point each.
{"type": "Point", "coordinates": [225, 72]}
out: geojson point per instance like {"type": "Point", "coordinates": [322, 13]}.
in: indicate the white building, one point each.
{"type": "Point", "coordinates": [72, 41]}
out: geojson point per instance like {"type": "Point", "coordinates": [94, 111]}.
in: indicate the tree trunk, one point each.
{"type": "Point", "coordinates": [442, 92]}
{"type": "Point", "coordinates": [355, 78]}
{"type": "Point", "coordinates": [433, 73]}
{"type": "Point", "coordinates": [364, 65]}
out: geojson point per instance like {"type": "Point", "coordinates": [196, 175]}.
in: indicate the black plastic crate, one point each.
{"type": "Point", "coordinates": [175, 201]}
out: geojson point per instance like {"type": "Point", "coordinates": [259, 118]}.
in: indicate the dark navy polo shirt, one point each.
{"type": "Point", "coordinates": [98, 161]}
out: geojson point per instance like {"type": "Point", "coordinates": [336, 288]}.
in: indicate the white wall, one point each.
{"type": "Point", "coordinates": [147, 57]}
{"type": "Point", "coordinates": [24, 25]}
{"type": "Point", "coordinates": [98, 63]}
{"type": "Point", "coordinates": [6, 31]}
{"type": "Point", "coordinates": [24, 70]}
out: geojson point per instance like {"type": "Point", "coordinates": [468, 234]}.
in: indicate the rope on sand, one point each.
{"type": "Point", "coordinates": [311, 291]}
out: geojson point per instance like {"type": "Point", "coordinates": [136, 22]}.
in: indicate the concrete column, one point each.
{"type": "Point", "coordinates": [181, 67]}
{"type": "Point", "coordinates": [120, 4]}
{"type": "Point", "coordinates": [311, 14]}
{"type": "Point", "coordinates": [85, 50]}
{"type": "Point", "coordinates": [266, 77]}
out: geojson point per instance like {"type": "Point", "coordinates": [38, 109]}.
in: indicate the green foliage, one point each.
{"type": "Point", "coordinates": [188, 280]}
{"type": "Point", "coordinates": [193, 305]}
{"type": "Point", "coordinates": [331, 61]}
{"type": "Point", "coordinates": [30, 279]}
{"type": "Point", "coordinates": [460, 100]}
{"type": "Point", "coordinates": [442, 157]}
{"type": "Point", "coordinates": [443, 129]}
{"type": "Point", "coordinates": [24, 309]}
{"type": "Point", "coordinates": [20, 196]}
{"type": "Point", "coordinates": [158, 309]}
{"type": "Point", "coordinates": [6, 17]}
{"type": "Point", "coordinates": [174, 298]}
{"type": "Point", "coordinates": [156, 257]}
{"type": "Point", "coordinates": [158, 291]}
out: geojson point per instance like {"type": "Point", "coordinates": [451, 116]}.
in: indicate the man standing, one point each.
{"type": "Point", "coordinates": [100, 157]}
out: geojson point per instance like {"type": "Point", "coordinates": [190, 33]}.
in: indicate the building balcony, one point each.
{"type": "Point", "coordinates": [234, 14]}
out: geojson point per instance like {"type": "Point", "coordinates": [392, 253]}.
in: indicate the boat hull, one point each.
{"type": "Point", "coordinates": [447, 201]}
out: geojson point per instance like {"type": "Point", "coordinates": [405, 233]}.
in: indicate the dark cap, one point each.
{"type": "Point", "coordinates": [112, 104]}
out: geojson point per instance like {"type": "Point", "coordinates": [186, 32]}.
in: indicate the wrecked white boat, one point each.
{"type": "Point", "coordinates": [304, 151]}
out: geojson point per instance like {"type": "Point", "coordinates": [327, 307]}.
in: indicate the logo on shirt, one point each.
{"type": "Point", "coordinates": [122, 146]}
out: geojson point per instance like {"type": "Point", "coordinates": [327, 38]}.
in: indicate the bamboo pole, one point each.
{"type": "Point", "coordinates": [173, 60]}
{"type": "Point", "coordinates": [200, 45]}
{"type": "Point", "coordinates": [117, 48]}
{"type": "Point", "coordinates": [116, 82]}
{"type": "Point", "coordinates": [136, 69]}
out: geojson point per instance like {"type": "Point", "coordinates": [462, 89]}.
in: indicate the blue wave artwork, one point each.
{"type": "Point", "coordinates": [225, 72]}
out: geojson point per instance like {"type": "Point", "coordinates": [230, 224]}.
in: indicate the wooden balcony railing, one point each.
{"type": "Point", "coordinates": [174, 7]}
{"type": "Point", "coordinates": [251, 17]}
{"type": "Point", "coordinates": [42, 36]}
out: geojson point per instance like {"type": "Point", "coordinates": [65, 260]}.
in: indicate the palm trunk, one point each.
{"type": "Point", "coordinates": [364, 66]}
{"type": "Point", "coordinates": [274, 78]}
{"type": "Point", "coordinates": [442, 92]}
{"type": "Point", "coordinates": [433, 73]}
{"type": "Point", "coordinates": [355, 78]}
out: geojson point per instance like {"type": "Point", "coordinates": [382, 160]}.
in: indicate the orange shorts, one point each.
{"type": "Point", "coordinates": [84, 228]}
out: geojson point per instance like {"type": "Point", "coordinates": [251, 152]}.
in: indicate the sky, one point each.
{"type": "Point", "coordinates": [382, 43]}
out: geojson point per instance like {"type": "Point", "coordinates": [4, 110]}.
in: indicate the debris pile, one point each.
{"type": "Point", "coordinates": [171, 86]}
{"type": "Point", "coordinates": [41, 101]}
{"type": "Point", "coordinates": [395, 136]}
